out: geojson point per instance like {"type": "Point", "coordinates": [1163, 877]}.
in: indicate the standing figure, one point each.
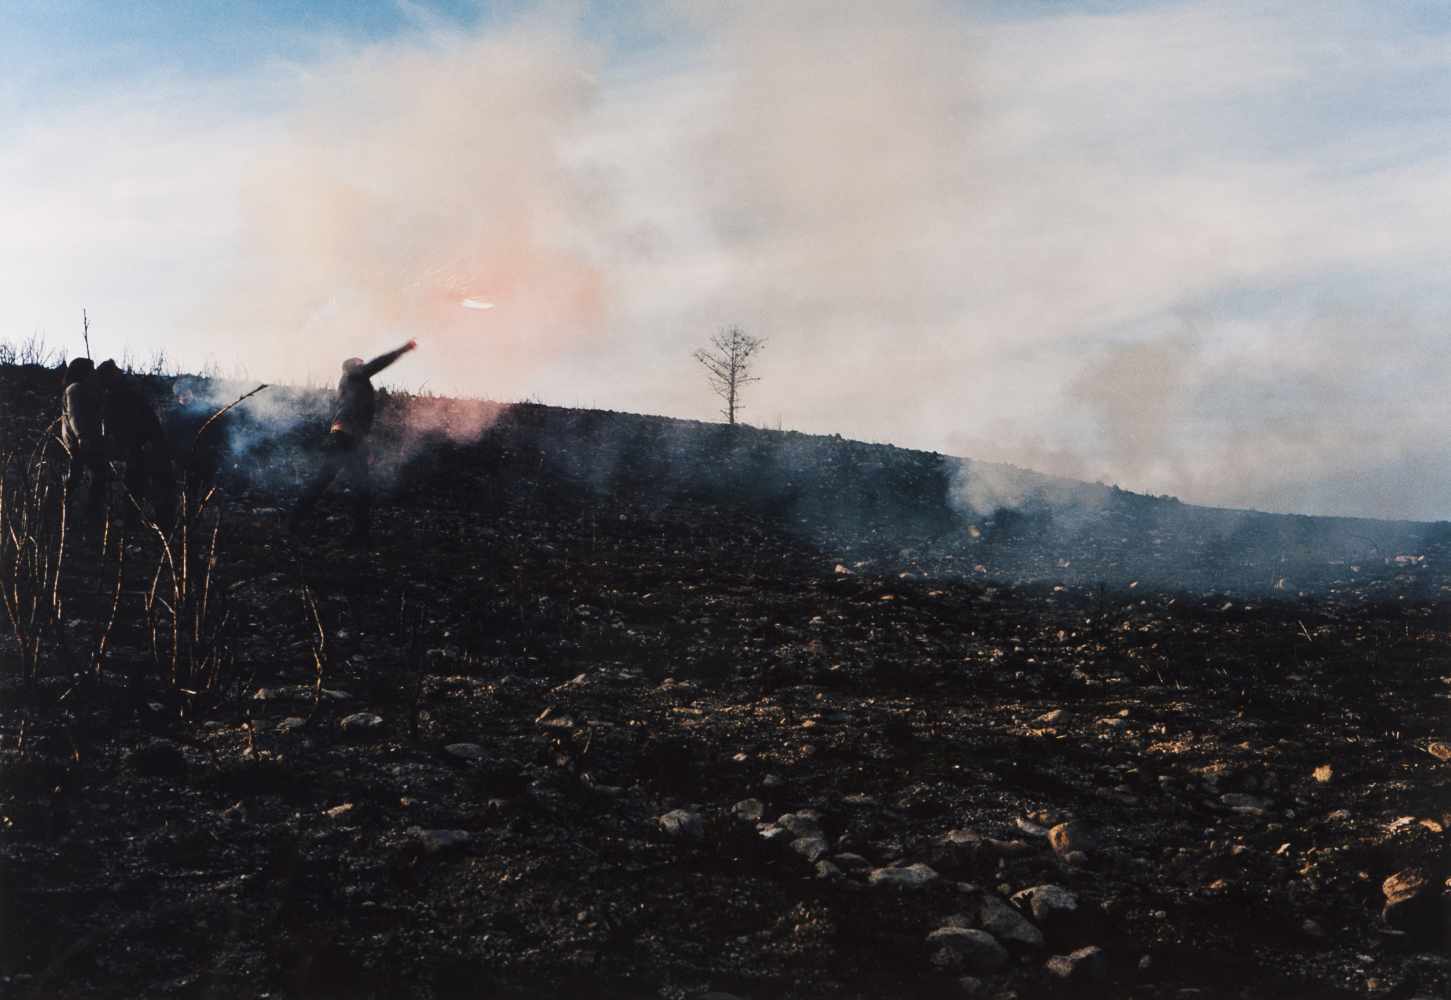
{"type": "Point", "coordinates": [80, 431]}
{"type": "Point", "coordinates": [347, 443]}
{"type": "Point", "coordinates": [105, 415]}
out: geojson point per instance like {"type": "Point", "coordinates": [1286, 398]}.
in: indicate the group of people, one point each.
{"type": "Point", "coordinates": [106, 416]}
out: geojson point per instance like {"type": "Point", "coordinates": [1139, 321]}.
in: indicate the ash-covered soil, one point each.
{"type": "Point", "coordinates": [627, 707]}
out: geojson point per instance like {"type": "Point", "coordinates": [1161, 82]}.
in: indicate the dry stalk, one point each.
{"type": "Point", "coordinates": [32, 555]}
{"type": "Point", "coordinates": [187, 627]}
{"type": "Point", "coordinates": [319, 650]}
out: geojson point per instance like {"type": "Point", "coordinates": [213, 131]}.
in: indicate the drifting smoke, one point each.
{"type": "Point", "coordinates": [1136, 246]}
{"type": "Point", "coordinates": [414, 191]}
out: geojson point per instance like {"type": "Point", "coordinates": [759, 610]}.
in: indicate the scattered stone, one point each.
{"type": "Point", "coordinates": [338, 811]}
{"type": "Point", "coordinates": [750, 810]}
{"type": "Point", "coordinates": [1057, 717]}
{"type": "Point", "coordinates": [1072, 836]}
{"type": "Point", "coordinates": [812, 848]}
{"type": "Point", "coordinates": [971, 986]}
{"type": "Point", "coordinates": [1086, 965]}
{"type": "Point", "coordinates": [682, 824]}
{"type": "Point", "coordinates": [1049, 904]}
{"type": "Point", "coordinates": [964, 948]}
{"type": "Point", "coordinates": [853, 862]}
{"type": "Point", "coordinates": [1439, 750]}
{"type": "Point", "coordinates": [993, 914]}
{"type": "Point", "coordinates": [912, 877]}
{"type": "Point", "coordinates": [1245, 805]}
{"type": "Point", "coordinates": [1323, 774]}
{"type": "Point", "coordinates": [772, 781]}
{"type": "Point", "coordinates": [464, 751]}
{"type": "Point", "coordinates": [291, 724]}
{"type": "Point", "coordinates": [825, 869]}
{"type": "Point", "coordinates": [1410, 904]}
{"type": "Point", "coordinates": [773, 834]}
{"type": "Point", "coordinates": [960, 848]}
{"type": "Point", "coordinates": [298, 692]}
{"type": "Point", "coordinates": [1312, 928]}
{"type": "Point", "coordinates": [806, 823]}
{"type": "Point", "coordinates": [434, 841]}
{"type": "Point", "coordinates": [361, 724]}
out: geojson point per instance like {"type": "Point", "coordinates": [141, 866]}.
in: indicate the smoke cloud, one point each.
{"type": "Point", "coordinates": [1189, 248]}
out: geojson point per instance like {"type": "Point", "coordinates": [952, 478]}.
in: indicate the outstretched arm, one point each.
{"type": "Point", "coordinates": [384, 360]}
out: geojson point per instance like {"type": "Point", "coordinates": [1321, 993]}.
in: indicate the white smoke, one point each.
{"type": "Point", "coordinates": [1168, 246]}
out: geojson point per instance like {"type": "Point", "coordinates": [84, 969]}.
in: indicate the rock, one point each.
{"type": "Point", "coordinates": [750, 810]}
{"type": "Point", "coordinates": [773, 834]}
{"type": "Point", "coordinates": [1050, 905]}
{"type": "Point", "coordinates": [773, 781]}
{"type": "Point", "coordinates": [1057, 717]}
{"type": "Point", "coordinates": [361, 724]}
{"type": "Point", "coordinates": [812, 848]}
{"type": "Point", "coordinates": [1072, 836]}
{"type": "Point", "coordinates": [993, 914]}
{"type": "Point", "coordinates": [464, 751]}
{"type": "Point", "coordinates": [971, 986]}
{"type": "Point", "coordinates": [960, 848]}
{"type": "Point", "coordinates": [1312, 928]}
{"type": "Point", "coordinates": [825, 869]}
{"type": "Point", "coordinates": [682, 824]}
{"type": "Point", "coordinates": [1246, 805]}
{"type": "Point", "coordinates": [803, 824]}
{"type": "Point", "coordinates": [910, 878]}
{"type": "Point", "coordinates": [337, 812]}
{"type": "Point", "coordinates": [434, 841]}
{"type": "Point", "coordinates": [1411, 905]}
{"type": "Point", "coordinates": [964, 948]}
{"type": "Point", "coordinates": [291, 724]}
{"type": "Point", "coordinates": [1440, 750]}
{"type": "Point", "coordinates": [1086, 965]}
{"type": "Point", "coordinates": [852, 862]}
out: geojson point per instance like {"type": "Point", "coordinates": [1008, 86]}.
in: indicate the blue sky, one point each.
{"type": "Point", "coordinates": [1190, 247]}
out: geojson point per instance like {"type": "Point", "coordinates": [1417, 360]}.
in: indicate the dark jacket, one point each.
{"type": "Point", "coordinates": [356, 398]}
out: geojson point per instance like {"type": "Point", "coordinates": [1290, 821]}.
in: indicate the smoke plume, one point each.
{"type": "Point", "coordinates": [1190, 248]}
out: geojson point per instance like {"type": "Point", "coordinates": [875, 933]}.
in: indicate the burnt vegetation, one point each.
{"type": "Point", "coordinates": [626, 706]}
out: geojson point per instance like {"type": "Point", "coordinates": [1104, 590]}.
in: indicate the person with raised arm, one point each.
{"type": "Point", "coordinates": [346, 447]}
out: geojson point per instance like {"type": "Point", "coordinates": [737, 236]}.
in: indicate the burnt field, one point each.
{"type": "Point", "coordinates": [628, 707]}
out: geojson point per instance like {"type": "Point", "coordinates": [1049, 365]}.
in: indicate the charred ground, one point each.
{"type": "Point", "coordinates": [579, 622]}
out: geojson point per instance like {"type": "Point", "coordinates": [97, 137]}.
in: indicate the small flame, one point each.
{"type": "Point", "coordinates": [476, 304]}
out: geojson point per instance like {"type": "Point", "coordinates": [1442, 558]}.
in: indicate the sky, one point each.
{"type": "Point", "coordinates": [1195, 248]}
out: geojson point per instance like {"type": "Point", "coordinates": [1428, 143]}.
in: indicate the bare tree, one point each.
{"type": "Point", "coordinates": [729, 366]}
